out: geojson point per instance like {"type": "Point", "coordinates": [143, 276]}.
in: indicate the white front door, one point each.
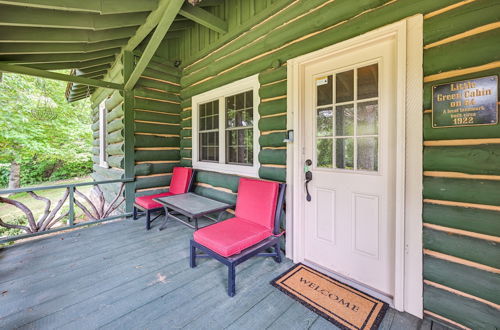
{"type": "Point", "coordinates": [349, 117]}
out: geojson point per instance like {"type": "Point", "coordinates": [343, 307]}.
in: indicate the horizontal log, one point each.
{"type": "Point", "coordinates": [115, 149]}
{"type": "Point", "coordinates": [186, 133]}
{"type": "Point", "coordinates": [108, 173]}
{"type": "Point", "coordinates": [144, 141]}
{"type": "Point", "coordinates": [117, 112]}
{"type": "Point", "coordinates": [460, 20]}
{"type": "Point", "coordinates": [467, 312]}
{"type": "Point", "coordinates": [186, 114]}
{"type": "Point", "coordinates": [157, 71]}
{"type": "Point", "coordinates": [462, 190]}
{"type": "Point", "coordinates": [114, 100]}
{"type": "Point", "coordinates": [272, 75]}
{"type": "Point", "coordinates": [156, 116]}
{"type": "Point", "coordinates": [476, 250]}
{"type": "Point", "coordinates": [273, 90]}
{"type": "Point", "coordinates": [115, 125]}
{"type": "Point", "coordinates": [472, 51]}
{"type": "Point", "coordinates": [272, 123]}
{"type": "Point", "coordinates": [95, 151]}
{"type": "Point", "coordinates": [473, 220]}
{"type": "Point", "coordinates": [186, 162]}
{"type": "Point", "coordinates": [115, 137]}
{"type": "Point", "coordinates": [95, 127]}
{"type": "Point", "coordinates": [273, 107]}
{"type": "Point", "coordinates": [147, 155]}
{"type": "Point", "coordinates": [272, 173]}
{"type": "Point", "coordinates": [215, 194]}
{"type": "Point", "coordinates": [472, 160]}
{"type": "Point", "coordinates": [158, 85]}
{"type": "Point", "coordinates": [151, 182]}
{"type": "Point", "coordinates": [185, 153]}
{"type": "Point", "coordinates": [186, 143]}
{"type": "Point", "coordinates": [154, 128]}
{"type": "Point", "coordinates": [116, 161]}
{"type": "Point", "coordinates": [154, 168]}
{"type": "Point", "coordinates": [272, 157]}
{"type": "Point", "coordinates": [95, 134]}
{"type": "Point", "coordinates": [156, 95]}
{"type": "Point", "coordinates": [470, 280]}
{"type": "Point", "coordinates": [144, 104]}
{"type": "Point", "coordinates": [186, 103]}
{"type": "Point", "coordinates": [216, 179]}
{"type": "Point", "coordinates": [272, 140]}
{"type": "Point", "coordinates": [472, 132]}
{"type": "Point", "coordinates": [148, 192]}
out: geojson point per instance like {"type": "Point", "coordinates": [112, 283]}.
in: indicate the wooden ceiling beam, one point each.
{"type": "Point", "coordinates": [73, 64]}
{"type": "Point", "coordinates": [15, 34]}
{"type": "Point", "coordinates": [166, 20]}
{"type": "Point", "coordinates": [203, 17]}
{"type": "Point", "coordinates": [57, 76]}
{"type": "Point", "coordinates": [54, 58]}
{"type": "Point", "coordinates": [34, 17]}
{"type": "Point", "coordinates": [91, 6]}
{"type": "Point", "coordinates": [58, 48]}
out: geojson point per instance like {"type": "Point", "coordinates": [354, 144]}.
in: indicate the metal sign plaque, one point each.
{"type": "Point", "coordinates": [465, 103]}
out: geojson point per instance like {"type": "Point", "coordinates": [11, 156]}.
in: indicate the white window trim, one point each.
{"type": "Point", "coordinates": [103, 132]}
{"type": "Point", "coordinates": [239, 86]}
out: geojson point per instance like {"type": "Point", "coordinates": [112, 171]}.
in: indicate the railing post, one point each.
{"type": "Point", "coordinates": [129, 137]}
{"type": "Point", "coordinates": [71, 219]}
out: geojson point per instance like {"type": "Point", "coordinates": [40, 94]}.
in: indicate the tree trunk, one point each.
{"type": "Point", "coordinates": [15, 175]}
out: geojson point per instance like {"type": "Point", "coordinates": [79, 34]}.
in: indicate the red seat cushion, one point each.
{"type": "Point", "coordinates": [256, 201]}
{"type": "Point", "coordinates": [180, 180]}
{"type": "Point", "coordinates": [231, 236]}
{"type": "Point", "coordinates": [148, 203]}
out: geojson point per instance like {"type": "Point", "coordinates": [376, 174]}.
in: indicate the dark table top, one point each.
{"type": "Point", "coordinates": [193, 205]}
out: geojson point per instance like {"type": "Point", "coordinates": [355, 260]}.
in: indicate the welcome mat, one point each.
{"type": "Point", "coordinates": [339, 303]}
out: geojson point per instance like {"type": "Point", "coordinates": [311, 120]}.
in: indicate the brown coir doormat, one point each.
{"type": "Point", "coordinates": [339, 303]}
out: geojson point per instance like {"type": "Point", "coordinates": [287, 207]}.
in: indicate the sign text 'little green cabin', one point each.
{"type": "Point", "coordinates": [465, 103]}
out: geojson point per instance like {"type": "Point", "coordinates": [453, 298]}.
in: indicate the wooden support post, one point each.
{"type": "Point", "coordinates": [129, 138]}
{"type": "Point", "coordinates": [57, 76]}
{"type": "Point", "coordinates": [161, 29]}
{"type": "Point", "coordinates": [71, 215]}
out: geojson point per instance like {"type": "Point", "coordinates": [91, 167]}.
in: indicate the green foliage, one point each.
{"type": "Point", "coordinates": [49, 137]}
{"type": "Point", "coordinates": [21, 220]}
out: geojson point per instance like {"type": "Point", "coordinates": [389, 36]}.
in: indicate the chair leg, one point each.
{"type": "Point", "coordinates": [192, 256]}
{"type": "Point", "coordinates": [148, 220]}
{"type": "Point", "coordinates": [135, 213]}
{"type": "Point", "coordinates": [278, 253]}
{"type": "Point", "coordinates": [231, 280]}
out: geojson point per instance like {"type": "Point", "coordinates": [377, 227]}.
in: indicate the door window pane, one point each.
{"type": "Point", "coordinates": [344, 120]}
{"type": "Point", "coordinates": [324, 122]}
{"type": "Point", "coordinates": [368, 118]}
{"type": "Point", "coordinates": [368, 154]}
{"type": "Point", "coordinates": [368, 81]}
{"type": "Point", "coordinates": [324, 90]}
{"type": "Point", "coordinates": [344, 153]}
{"type": "Point", "coordinates": [324, 153]}
{"type": "Point", "coordinates": [344, 86]}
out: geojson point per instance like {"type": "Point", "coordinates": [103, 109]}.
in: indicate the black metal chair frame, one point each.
{"type": "Point", "coordinates": [254, 251]}
{"type": "Point", "coordinates": [139, 210]}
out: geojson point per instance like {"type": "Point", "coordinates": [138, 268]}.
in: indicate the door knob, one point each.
{"type": "Point", "coordinates": [309, 177]}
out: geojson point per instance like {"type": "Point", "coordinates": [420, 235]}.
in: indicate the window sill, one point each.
{"type": "Point", "coordinates": [241, 170]}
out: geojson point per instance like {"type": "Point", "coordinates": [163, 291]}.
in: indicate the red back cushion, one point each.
{"type": "Point", "coordinates": [256, 201]}
{"type": "Point", "coordinates": [180, 180]}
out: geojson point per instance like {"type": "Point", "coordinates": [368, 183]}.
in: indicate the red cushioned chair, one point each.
{"type": "Point", "coordinates": [255, 228]}
{"type": "Point", "coordinates": [182, 179]}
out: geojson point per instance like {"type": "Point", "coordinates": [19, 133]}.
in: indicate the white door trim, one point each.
{"type": "Point", "coordinates": [408, 35]}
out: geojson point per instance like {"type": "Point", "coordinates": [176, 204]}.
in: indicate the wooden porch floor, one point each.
{"type": "Point", "coordinates": [118, 276]}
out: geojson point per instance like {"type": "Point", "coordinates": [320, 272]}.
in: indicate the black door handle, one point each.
{"type": "Point", "coordinates": [309, 177]}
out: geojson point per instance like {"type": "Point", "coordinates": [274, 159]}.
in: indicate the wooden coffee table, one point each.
{"type": "Point", "coordinates": [192, 206]}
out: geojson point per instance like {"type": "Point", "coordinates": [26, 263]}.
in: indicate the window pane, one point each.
{"type": "Point", "coordinates": [249, 99]}
{"type": "Point", "coordinates": [239, 148]}
{"type": "Point", "coordinates": [344, 153]}
{"type": "Point", "coordinates": [368, 81]}
{"type": "Point", "coordinates": [344, 86]}
{"type": "Point", "coordinates": [324, 122]}
{"type": "Point", "coordinates": [368, 118]}
{"type": "Point", "coordinates": [368, 154]}
{"type": "Point", "coordinates": [324, 90]}
{"type": "Point", "coordinates": [209, 146]}
{"type": "Point", "coordinates": [324, 153]}
{"type": "Point", "coordinates": [344, 120]}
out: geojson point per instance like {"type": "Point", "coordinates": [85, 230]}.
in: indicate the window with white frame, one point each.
{"type": "Point", "coordinates": [103, 132]}
{"type": "Point", "coordinates": [225, 132]}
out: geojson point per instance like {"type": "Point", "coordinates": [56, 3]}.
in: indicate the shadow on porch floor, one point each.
{"type": "Point", "coordinates": [118, 276]}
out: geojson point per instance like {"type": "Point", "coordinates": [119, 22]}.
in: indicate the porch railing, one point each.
{"type": "Point", "coordinates": [50, 220]}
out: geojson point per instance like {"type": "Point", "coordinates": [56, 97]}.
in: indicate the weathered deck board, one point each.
{"type": "Point", "coordinates": [118, 276]}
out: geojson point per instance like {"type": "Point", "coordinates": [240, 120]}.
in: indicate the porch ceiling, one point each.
{"type": "Point", "coordinates": [85, 36]}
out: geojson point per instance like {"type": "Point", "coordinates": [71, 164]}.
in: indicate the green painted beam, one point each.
{"type": "Point", "coordinates": [93, 6]}
{"type": "Point", "coordinates": [54, 58]}
{"type": "Point", "coordinates": [73, 65]}
{"type": "Point", "coordinates": [57, 76]}
{"type": "Point", "coordinates": [203, 17]}
{"type": "Point", "coordinates": [57, 48]}
{"type": "Point", "coordinates": [37, 35]}
{"type": "Point", "coordinates": [129, 138]}
{"type": "Point", "coordinates": [166, 20]}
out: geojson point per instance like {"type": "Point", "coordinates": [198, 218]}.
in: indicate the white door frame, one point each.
{"type": "Point", "coordinates": [408, 35]}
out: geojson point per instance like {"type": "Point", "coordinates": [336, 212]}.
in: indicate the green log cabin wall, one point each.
{"type": "Point", "coordinates": [461, 211]}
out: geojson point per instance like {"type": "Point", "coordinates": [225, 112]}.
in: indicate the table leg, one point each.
{"type": "Point", "coordinates": [164, 223]}
{"type": "Point", "coordinates": [195, 223]}
{"type": "Point", "coordinates": [219, 217]}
